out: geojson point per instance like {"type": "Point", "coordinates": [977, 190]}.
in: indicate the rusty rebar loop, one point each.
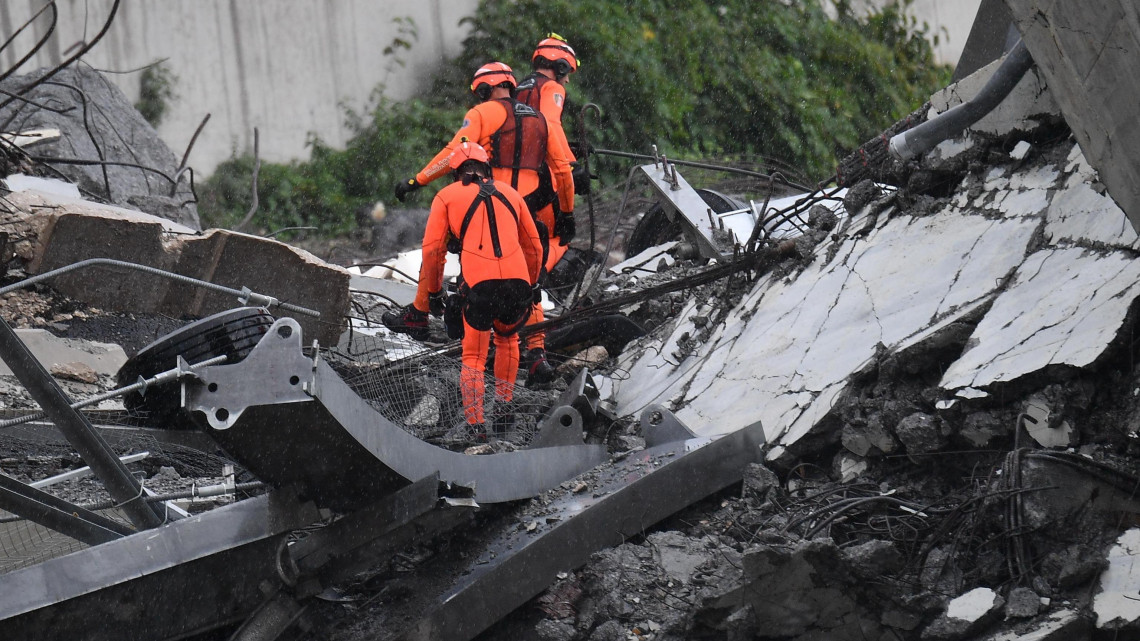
{"type": "Point", "coordinates": [39, 45]}
{"type": "Point", "coordinates": [193, 190]}
{"type": "Point", "coordinates": [45, 107]}
{"type": "Point", "coordinates": [256, 170]}
{"type": "Point", "coordinates": [759, 228]}
{"type": "Point", "coordinates": [584, 292]}
{"type": "Point", "coordinates": [244, 295]}
{"type": "Point", "coordinates": [182, 166]}
{"type": "Point", "coordinates": [113, 163]}
{"type": "Point", "coordinates": [90, 134]}
{"type": "Point", "coordinates": [82, 50]}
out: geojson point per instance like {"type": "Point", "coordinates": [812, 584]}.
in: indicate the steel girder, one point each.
{"type": "Point", "coordinates": [291, 420]}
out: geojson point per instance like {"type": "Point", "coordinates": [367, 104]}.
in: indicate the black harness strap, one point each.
{"type": "Point", "coordinates": [486, 191]}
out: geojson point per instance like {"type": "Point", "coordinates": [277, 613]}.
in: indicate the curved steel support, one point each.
{"type": "Point", "coordinates": [290, 419]}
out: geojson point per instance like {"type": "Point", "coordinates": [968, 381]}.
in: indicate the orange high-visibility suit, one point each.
{"type": "Point", "coordinates": [500, 258]}
{"type": "Point", "coordinates": [514, 159]}
{"type": "Point", "coordinates": [548, 97]}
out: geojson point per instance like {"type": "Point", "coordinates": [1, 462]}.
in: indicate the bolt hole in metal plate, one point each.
{"type": "Point", "coordinates": [224, 392]}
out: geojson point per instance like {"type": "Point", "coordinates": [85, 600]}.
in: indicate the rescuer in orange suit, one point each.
{"type": "Point", "coordinates": [516, 137]}
{"type": "Point", "coordinates": [544, 89]}
{"type": "Point", "coordinates": [490, 226]}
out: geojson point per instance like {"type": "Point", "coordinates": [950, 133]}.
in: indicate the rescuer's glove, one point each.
{"type": "Point", "coordinates": [582, 178]}
{"type": "Point", "coordinates": [536, 293]}
{"type": "Point", "coordinates": [436, 303]}
{"type": "Point", "coordinates": [564, 227]}
{"type": "Point", "coordinates": [406, 187]}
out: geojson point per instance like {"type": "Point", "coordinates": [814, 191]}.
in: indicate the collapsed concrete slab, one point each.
{"type": "Point", "coordinates": [786, 352]}
{"type": "Point", "coordinates": [889, 282]}
{"type": "Point", "coordinates": [101, 358]}
{"type": "Point", "coordinates": [70, 230]}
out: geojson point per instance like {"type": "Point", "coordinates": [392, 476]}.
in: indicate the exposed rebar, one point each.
{"type": "Point", "coordinates": [244, 295]}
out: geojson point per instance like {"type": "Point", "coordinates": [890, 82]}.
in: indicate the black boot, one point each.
{"type": "Point", "coordinates": [407, 320]}
{"type": "Point", "coordinates": [538, 370]}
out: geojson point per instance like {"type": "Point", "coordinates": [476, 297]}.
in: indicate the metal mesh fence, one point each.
{"type": "Point", "coordinates": [26, 447]}
{"type": "Point", "coordinates": [418, 390]}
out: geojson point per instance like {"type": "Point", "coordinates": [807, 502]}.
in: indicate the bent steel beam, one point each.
{"type": "Point", "coordinates": [629, 497]}
{"type": "Point", "coordinates": [175, 571]}
{"type": "Point", "coordinates": [291, 420]}
{"type": "Point", "coordinates": [56, 514]}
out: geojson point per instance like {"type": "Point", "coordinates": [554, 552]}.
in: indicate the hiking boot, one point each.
{"type": "Point", "coordinates": [538, 370]}
{"type": "Point", "coordinates": [407, 320]}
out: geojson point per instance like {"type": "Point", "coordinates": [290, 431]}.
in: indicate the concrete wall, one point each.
{"type": "Point", "coordinates": [284, 66]}
{"type": "Point", "coordinates": [1088, 54]}
{"type": "Point", "coordinates": [950, 20]}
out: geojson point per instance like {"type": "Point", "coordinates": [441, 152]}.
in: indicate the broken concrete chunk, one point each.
{"type": "Point", "coordinates": [1046, 428]}
{"type": "Point", "coordinates": [965, 615]}
{"type": "Point", "coordinates": [1020, 150]}
{"type": "Point", "coordinates": [872, 439]}
{"type": "Point", "coordinates": [860, 195]}
{"type": "Point", "coordinates": [1115, 605]}
{"type": "Point", "coordinates": [874, 558]}
{"type": "Point", "coordinates": [1023, 109]}
{"type": "Point", "coordinates": [759, 481]}
{"type": "Point", "coordinates": [848, 466]}
{"type": "Point", "coordinates": [1072, 566]}
{"type": "Point", "coordinates": [79, 372]}
{"type": "Point", "coordinates": [1037, 323]}
{"type": "Point", "coordinates": [101, 124]}
{"type": "Point", "coordinates": [920, 433]}
{"type": "Point", "coordinates": [1022, 603]}
{"type": "Point", "coordinates": [982, 428]}
{"type": "Point", "coordinates": [98, 358]}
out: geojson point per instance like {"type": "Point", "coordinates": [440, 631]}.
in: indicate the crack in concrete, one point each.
{"type": "Point", "coordinates": [934, 318]}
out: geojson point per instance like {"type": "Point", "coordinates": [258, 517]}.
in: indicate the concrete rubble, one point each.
{"type": "Point", "coordinates": [944, 372]}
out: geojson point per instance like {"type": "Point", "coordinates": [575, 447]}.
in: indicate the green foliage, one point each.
{"type": "Point", "coordinates": [327, 191]}
{"type": "Point", "coordinates": [156, 92]}
{"type": "Point", "coordinates": [772, 79]}
{"type": "Point", "coordinates": [729, 78]}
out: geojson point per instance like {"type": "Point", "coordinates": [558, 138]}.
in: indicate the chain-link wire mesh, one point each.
{"type": "Point", "coordinates": [418, 390]}
{"type": "Point", "coordinates": [24, 543]}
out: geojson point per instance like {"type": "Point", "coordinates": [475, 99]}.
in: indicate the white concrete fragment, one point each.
{"type": "Point", "coordinates": [1020, 149]}
{"type": "Point", "coordinates": [405, 267]}
{"type": "Point", "coordinates": [1079, 212]}
{"type": "Point", "coordinates": [972, 605]}
{"type": "Point", "coordinates": [30, 137]}
{"type": "Point", "coordinates": [647, 259]}
{"type": "Point", "coordinates": [970, 392]}
{"type": "Point", "coordinates": [1116, 603]}
{"type": "Point", "coordinates": [1063, 308]}
{"type": "Point", "coordinates": [47, 186]}
{"type": "Point", "coordinates": [951, 147]}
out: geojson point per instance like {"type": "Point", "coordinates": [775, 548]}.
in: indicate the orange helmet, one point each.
{"type": "Point", "coordinates": [491, 75]}
{"type": "Point", "coordinates": [465, 152]}
{"type": "Point", "coordinates": [554, 53]}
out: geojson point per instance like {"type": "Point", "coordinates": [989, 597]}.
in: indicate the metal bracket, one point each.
{"type": "Point", "coordinates": [574, 413]}
{"type": "Point", "coordinates": [223, 392]}
{"type": "Point", "coordinates": [660, 426]}
{"type": "Point", "coordinates": [679, 197]}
